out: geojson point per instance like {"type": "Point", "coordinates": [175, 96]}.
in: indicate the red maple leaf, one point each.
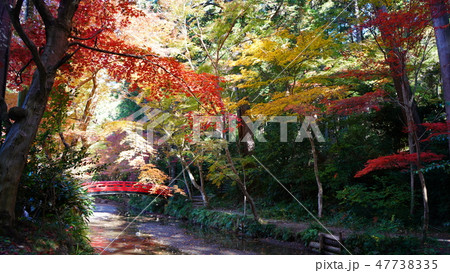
{"type": "Point", "coordinates": [397, 161]}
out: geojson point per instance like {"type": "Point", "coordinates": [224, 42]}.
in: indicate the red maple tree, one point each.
{"type": "Point", "coordinates": [358, 104]}
{"type": "Point", "coordinates": [63, 40]}
{"type": "Point", "coordinates": [397, 161]}
{"type": "Point", "coordinates": [436, 129]}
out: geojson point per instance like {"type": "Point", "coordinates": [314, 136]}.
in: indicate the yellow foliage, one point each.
{"type": "Point", "coordinates": [290, 53]}
{"type": "Point", "coordinates": [311, 95]}
{"type": "Point", "coordinates": [150, 174]}
{"type": "Point", "coordinates": [232, 106]}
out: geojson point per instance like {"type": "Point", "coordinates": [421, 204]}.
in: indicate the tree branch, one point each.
{"type": "Point", "coordinates": [18, 78]}
{"type": "Point", "coordinates": [205, 47]}
{"type": "Point", "coordinates": [277, 10]}
{"type": "Point", "coordinates": [44, 12]}
{"type": "Point", "coordinates": [143, 58]}
{"type": "Point", "coordinates": [63, 140]}
{"type": "Point", "coordinates": [66, 11]}
{"type": "Point", "coordinates": [88, 38]}
{"type": "Point", "coordinates": [220, 45]}
{"type": "Point", "coordinates": [65, 59]}
{"type": "Point", "coordinates": [14, 15]}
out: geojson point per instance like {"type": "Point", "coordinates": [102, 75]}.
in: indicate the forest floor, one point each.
{"type": "Point", "coordinates": [31, 240]}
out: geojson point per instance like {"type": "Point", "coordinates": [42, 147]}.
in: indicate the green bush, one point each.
{"type": "Point", "coordinates": [383, 245]}
{"type": "Point", "coordinates": [149, 203]}
{"type": "Point", "coordinates": [311, 233]}
{"type": "Point", "coordinates": [54, 200]}
{"type": "Point", "coordinates": [182, 208]}
{"type": "Point", "coordinates": [58, 202]}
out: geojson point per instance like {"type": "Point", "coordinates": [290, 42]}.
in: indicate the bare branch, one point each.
{"type": "Point", "coordinates": [85, 81]}
{"type": "Point", "coordinates": [18, 78]}
{"type": "Point", "coordinates": [277, 10]}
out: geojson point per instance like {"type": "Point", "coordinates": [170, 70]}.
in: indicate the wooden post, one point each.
{"type": "Point", "coordinates": [321, 241]}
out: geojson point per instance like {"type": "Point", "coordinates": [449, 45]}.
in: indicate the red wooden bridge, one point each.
{"type": "Point", "coordinates": [123, 187]}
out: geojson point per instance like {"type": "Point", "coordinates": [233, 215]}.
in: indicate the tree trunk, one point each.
{"type": "Point", "coordinates": [439, 14]}
{"type": "Point", "coordinates": [202, 185]}
{"type": "Point", "coordinates": [246, 138]}
{"type": "Point", "coordinates": [241, 185]}
{"type": "Point", "coordinates": [316, 173]}
{"type": "Point", "coordinates": [87, 113]}
{"type": "Point", "coordinates": [426, 209]}
{"type": "Point", "coordinates": [188, 189]}
{"type": "Point", "coordinates": [412, 182]}
{"type": "Point", "coordinates": [14, 151]}
{"type": "Point", "coordinates": [402, 87]}
{"type": "Point", "coordinates": [358, 31]}
{"type": "Point", "coordinates": [5, 40]}
{"type": "Point", "coordinates": [412, 134]}
{"type": "Point", "coordinates": [172, 167]}
{"type": "Point", "coordinates": [397, 65]}
{"type": "Point", "coordinates": [402, 83]}
{"type": "Point", "coordinates": [411, 176]}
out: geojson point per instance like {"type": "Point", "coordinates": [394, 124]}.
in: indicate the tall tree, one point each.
{"type": "Point", "coordinates": [90, 38]}
{"type": "Point", "coordinates": [5, 38]}
{"type": "Point", "coordinates": [290, 57]}
{"type": "Point", "coordinates": [228, 30]}
{"type": "Point", "coordinates": [440, 15]}
{"type": "Point", "coordinates": [401, 32]}
{"type": "Point", "coordinates": [14, 151]}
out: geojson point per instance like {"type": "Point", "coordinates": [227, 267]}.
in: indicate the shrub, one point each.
{"type": "Point", "coordinates": [382, 245]}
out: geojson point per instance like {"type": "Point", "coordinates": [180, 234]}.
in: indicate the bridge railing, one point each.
{"type": "Point", "coordinates": [123, 186]}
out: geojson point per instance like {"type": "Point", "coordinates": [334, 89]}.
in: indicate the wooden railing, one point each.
{"type": "Point", "coordinates": [327, 244]}
{"type": "Point", "coordinates": [111, 187]}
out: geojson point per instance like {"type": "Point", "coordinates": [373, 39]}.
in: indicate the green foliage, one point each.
{"type": "Point", "coordinates": [48, 191]}
{"type": "Point", "coordinates": [311, 233]}
{"type": "Point", "coordinates": [178, 207]}
{"type": "Point", "coordinates": [181, 208]}
{"type": "Point", "coordinates": [375, 201]}
{"type": "Point", "coordinates": [149, 203]}
{"type": "Point", "coordinates": [58, 203]}
{"type": "Point", "coordinates": [126, 108]}
{"type": "Point", "coordinates": [368, 244]}
{"type": "Point", "coordinates": [284, 210]}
